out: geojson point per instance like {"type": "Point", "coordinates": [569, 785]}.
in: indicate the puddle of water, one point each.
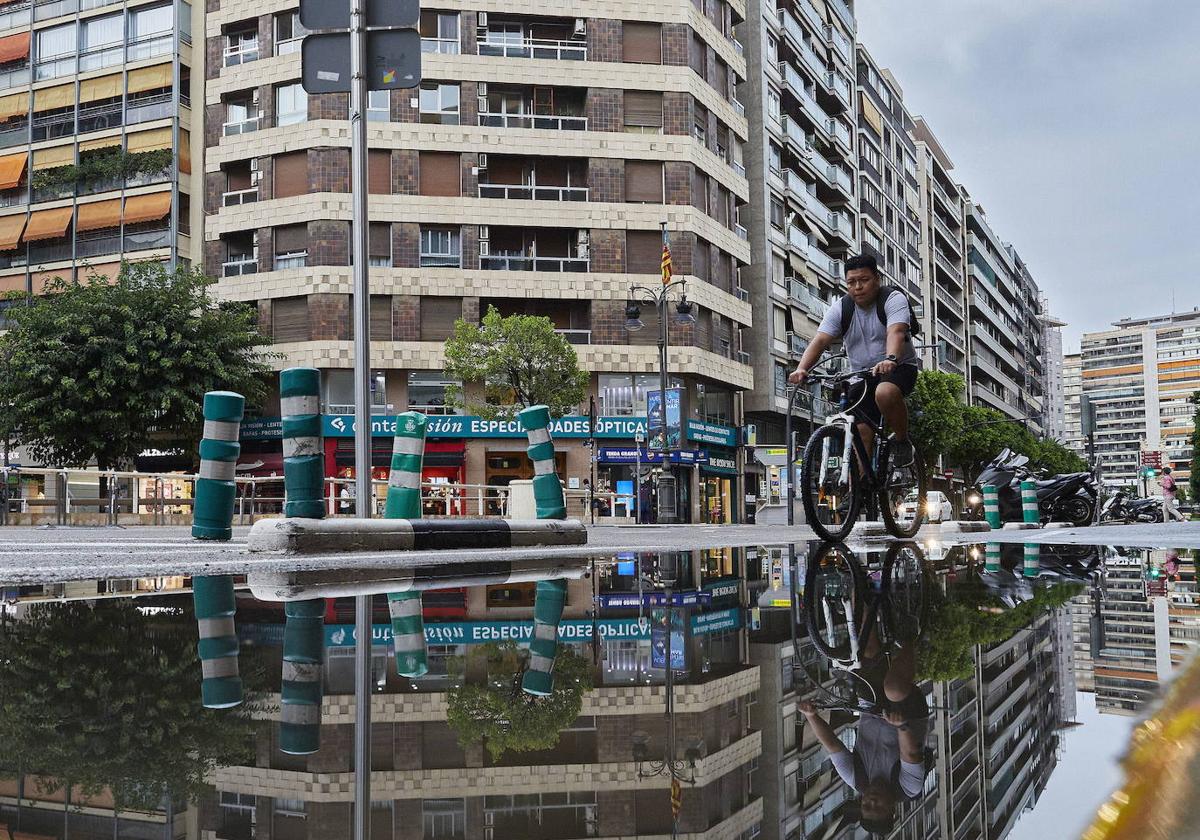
{"type": "Point", "coordinates": [980, 691]}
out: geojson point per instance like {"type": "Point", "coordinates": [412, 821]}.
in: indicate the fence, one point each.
{"type": "Point", "coordinates": [145, 498]}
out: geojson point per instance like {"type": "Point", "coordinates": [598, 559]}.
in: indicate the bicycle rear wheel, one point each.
{"type": "Point", "coordinates": [834, 600]}
{"type": "Point", "coordinates": [901, 492]}
{"type": "Point", "coordinates": [830, 503]}
{"type": "Point", "coordinates": [904, 582]}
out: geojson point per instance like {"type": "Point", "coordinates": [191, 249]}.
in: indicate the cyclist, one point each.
{"type": "Point", "coordinates": [874, 324]}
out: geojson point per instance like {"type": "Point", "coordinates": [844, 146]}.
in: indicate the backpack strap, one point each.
{"type": "Point", "coordinates": [847, 314]}
{"type": "Point", "coordinates": [881, 303]}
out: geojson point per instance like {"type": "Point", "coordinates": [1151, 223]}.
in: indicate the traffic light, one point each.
{"type": "Point", "coordinates": [1148, 472]}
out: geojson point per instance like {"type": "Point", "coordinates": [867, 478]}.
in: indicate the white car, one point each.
{"type": "Point", "coordinates": [937, 507]}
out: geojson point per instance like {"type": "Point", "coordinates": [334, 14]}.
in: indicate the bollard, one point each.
{"type": "Point", "coordinates": [991, 505]}
{"type": "Point", "coordinates": [547, 612]}
{"type": "Point", "coordinates": [547, 489]}
{"type": "Point", "coordinates": [212, 509]}
{"type": "Point", "coordinates": [303, 455]}
{"type": "Point", "coordinates": [991, 557]}
{"type": "Point", "coordinates": [404, 480]}
{"type": "Point", "coordinates": [303, 653]}
{"type": "Point", "coordinates": [1032, 565]}
{"type": "Point", "coordinates": [1029, 502]}
{"type": "Point", "coordinates": [408, 634]}
{"type": "Point", "coordinates": [213, 598]}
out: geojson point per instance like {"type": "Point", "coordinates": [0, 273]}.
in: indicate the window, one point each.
{"type": "Point", "coordinates": [776, 213]}
{"type": "Point", "coordinates": [150, 32]}
{"type": "Point", "coordinates": [290, 172]}
{"type": "Point", "coordinates": [776, 159]}
{"type": "Point", "coordinates": [291, 104]}
{"type": "Point", "coordinates": [57, 49]}
{"type": "Point", "coordinates": [427, 391]}
{"type": "Point", "coordinates": [379, 172]}
{"type": "Point", "coordinates": [773, 103]}
{"type": "Point", "coordinates": [441, 247]}
{"type": "Point", "coordinates": [438, 316]}
{"type": "Point", "coordinates": [644, 181]}
{"type": "Point", "coordinates": [439, 32]}
{"type": "Point", "coordinates": [291, 246]}
{"type": "Point", "coordinates": [439, 173]}
{"type": "Point", "coordinates": [241, 115]}
{"type": "Point", "coordinates": [439, 103]}
{"type": "Point", "coordinates": [444, 819]}
{"type": "Point", "coordinates": [643, 251]}
{"type": "Point", "coordinates": [379, 250]}
{"type": "Point", "coordinates": [643, 112]}
{"type": "Point", "coordinates": [101, 42]}
{"type": "Point", "coordinates": [290, 807]}
{"type": "Point", "coordinates": [642, 42]}
{"type": "Point", "coordinates": [288, 33]}
{"type": "Point", "coordinates": [700, 123]}
{"type": "Point", "coordinates": [378, 106]}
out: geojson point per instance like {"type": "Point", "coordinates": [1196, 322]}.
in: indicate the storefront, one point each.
{"type": "Point", "coordinates": [617, 467]}
{"type": "Point", "coordinates": [718, 486]}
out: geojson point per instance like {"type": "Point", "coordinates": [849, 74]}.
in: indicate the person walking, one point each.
{"type": "Point", "coordinates": [1170, 507]}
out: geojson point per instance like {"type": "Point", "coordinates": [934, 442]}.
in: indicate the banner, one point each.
{"type": "Point", "coordinates": [654, 413]}
{"type": "Point", "coordinates": [609, 455]}
{"type": "Point", "coordinates": [456, 426]}
{"type": "Point", "coordinates": [702, 432]}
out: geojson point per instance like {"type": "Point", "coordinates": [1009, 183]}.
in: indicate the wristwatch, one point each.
{"type": "Point", "coordinates": [890, 357]}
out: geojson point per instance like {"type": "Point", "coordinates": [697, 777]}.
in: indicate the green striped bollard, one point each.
{"type": "Point", "coordinates": [303, 653]}
{"type": "Point", "coordinates": [1029, 502]}
{"type": "Point", "coordinates": [991, 557]}
{"type": "Point", "coordinates": [991, 504]}
{"type": "Point", "coordinates": [547, 489]}
{"type": "Point", "coordinates": [220, 685]}
{"type": "Point", "coordinates": [404, 502]}
{"type": "Point", "coordinates": [303, 456]}
{"type": "Point", "coordinates": [548, 606]}
{"type": "Point", "coordinates": [1032, 560]}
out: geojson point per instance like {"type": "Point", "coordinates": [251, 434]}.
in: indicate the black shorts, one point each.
{"type": "Point", "coordinates": [903, 377]}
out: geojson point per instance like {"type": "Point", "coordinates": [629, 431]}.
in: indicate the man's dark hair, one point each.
{"type": "Point", "coordinates": [879, 826]}
{"type": "Point", "coordinates": [1166, 470]}
{"type": "Point", "coordinates": [863, 261]}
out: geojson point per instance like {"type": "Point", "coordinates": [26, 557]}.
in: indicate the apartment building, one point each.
{"type": "Point", "coordinates": [800, 99]}
{"type": "Point", "coordinates": [1072, 388]}
{"type": "Point", "coordinates": [943, 267]}
{"type": "Point", "coordinates": [1054, 402]}
{"type": "Point", "coordinates": [1007, 371]}
{"type": "Point", "coordinates": [530, 172]}
{"type": "Point", "coordinates": [1140, 376]}
{"type": "Point", "coordinates": [97, 138]}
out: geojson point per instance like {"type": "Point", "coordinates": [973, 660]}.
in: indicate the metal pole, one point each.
{"type": "Point", "coordinates": [790, 455]}
{"type": "Point", "coordinates": [669, 706]}
{"type": "Point", "coordinates": [362, 406]}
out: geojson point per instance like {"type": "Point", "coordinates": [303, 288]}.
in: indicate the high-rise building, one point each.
{"type": "Point", "coordinates": [1052, 361]}
{"type": "Point", "coordinates": [530, 172]}
{"type": "Point", "coordinates": [799, 95]}
{"type": "Point", "coordinates": [1072, 389]}
{"type": "Point", "coordinates": [97, 139]}
{"type": "Point", "coordinates": [1140, 376]}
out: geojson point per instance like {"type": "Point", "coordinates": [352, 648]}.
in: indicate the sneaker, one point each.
{"type": "Point", "coordinates": [902, 453]}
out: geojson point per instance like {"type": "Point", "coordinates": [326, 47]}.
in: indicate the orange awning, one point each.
{"type": "Point", "coordinates": [16, 105]}
{"type": "Point", "coordinates": [14, 47]}
{"type": "Point", "coordinates": [12, 167]}
{"type": "Point", "coordinates": [48, 224]}
{"type": "Point", "coordinates": [185, 151]}
{"type": "Point", "coordinates": [147, 208]}
{"type": "Point", "coordinates": [98, 215]}
{"type": "Point", "coordinates": [150, 78]}
{"type": "Point", "coordinates": [11, 228]}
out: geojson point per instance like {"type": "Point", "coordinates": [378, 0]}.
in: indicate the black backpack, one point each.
{"type": "Point", "coordinates": [914, 323]}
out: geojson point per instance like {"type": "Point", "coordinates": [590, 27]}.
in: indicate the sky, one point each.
{"type": "Point", "coordinates": [1074, 124]}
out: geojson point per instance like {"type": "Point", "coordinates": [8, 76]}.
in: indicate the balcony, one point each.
{"type": "Point", "coordinates": [52, 126]}
{"type": "Point", "coordinates": [948, 301]}
{"type": "Point", "coordinates": [532, 263]}
{"type": "Point", "coordinates": [803, 296]}
{"type": "Point", "coordinates": [243, 126]}
{"type": "Point", "coordinates": [156, 43]}
{"type": "Point", "coordinates": [837, 40]}
{"type": "Point", "coordinates": [535, 48]}
{"type": "Point", "coordinates": [98, 58]}
{"type": "Point", "coordinates": [542, 121]}
{"type": "Point", "coordinates": [100, 117]}
{"type": "Point", "coordinates": [14, 77]}
{"type": "Point", "coordinates": [144, 240]}
{"type": "Point", "coordinates": [796, 135]}
{"type": "Point", "coordinates": [236, 198]}
{"type": "Point", "coordinates": [951, 268]}
{"type": "Point", "coordinates": [576, 336]}
{"type": "Point", "coordinates": [836, 176]}
{"type": "Point", "coordinates": [811, 14]}
{"type": "Point", "coordinates": [147, 108]}
{"type": "Point", "coordinates": [88, 245]}
{"type": "Point", "coordinates": [839, 86]}
{"type": "Point", "coordinates": [842, 225]}
{"type": "Point", "coordinates": [837, 129]}
{"type": "Point", "coordinates": [530, 192]}
{"type": "Point", "coordinates": [953, 238]}
{"type": "Point", "coordinates": [951, 201]}
{"type": "Point", "coordinates": [15, 15]}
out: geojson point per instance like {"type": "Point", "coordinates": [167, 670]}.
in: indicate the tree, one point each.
{"type": "Point", "coordinates": [520, 361]}
{"type": "Point", "coordinates": [1056, 458]}
{"type": "Point", "coordinates": [1195, 466]}
{"type": "Point", "coordinates": [936, 413]}
{"type": "Point", "coordinates": [108, 698]}
{"type": "Point", "coordinates": [97, 369]}
{"type": "Point", "coordinates": [501, 715]}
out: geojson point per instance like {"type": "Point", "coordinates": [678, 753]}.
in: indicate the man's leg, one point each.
{"type": "Point", "coordinates": [867, 432]}
{"type": "Point", "coordinates": [890, 400]}
{"type": "Point", "coordinates": [898, 683]}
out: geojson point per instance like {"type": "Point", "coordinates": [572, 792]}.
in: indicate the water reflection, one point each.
{"type": "Point", "coordinates": [913, 691]}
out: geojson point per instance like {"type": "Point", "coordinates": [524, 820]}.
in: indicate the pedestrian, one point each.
{"type": "Point", "coordinates": [1170, 508]}
{"type": "Point", "coordinates": [346, 499]}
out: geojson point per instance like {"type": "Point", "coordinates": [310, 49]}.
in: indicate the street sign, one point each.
{"type": "Point", "coordinates": [335, 14]}
{"type": "Point", "coordinates": [393, 61]}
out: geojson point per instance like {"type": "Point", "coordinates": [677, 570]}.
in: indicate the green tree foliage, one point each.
{"type": "Point", "coordinates": [494, 710]}
{"type": "Point", "coordinates": [1195, 479]}
{"type": "Point", "coordinates": [520, 361]}
{"type": "Point", "coordinates": [107, 697]}
{"type": "Point", "coordinates": [98, 369]}
{"type": "Point", "coordinates": [969, 615]}
{"type": "Point", "coordinates": [936, 413]}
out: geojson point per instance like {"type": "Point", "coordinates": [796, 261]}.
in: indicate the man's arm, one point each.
{"type": "Point", "coordinates": [911, 750]}
{"type": "Point", "coordinates": [824, 732]}
{"type": "Point", "coordinates": [812, 353]}
{"type": "Point", "coordinates": [897, 334]}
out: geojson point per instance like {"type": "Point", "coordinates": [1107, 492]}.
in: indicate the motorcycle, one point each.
{"type": "Point", "coordinates": [1064, 498]}
{"type": "Point", "coordinates": [1120, 508]}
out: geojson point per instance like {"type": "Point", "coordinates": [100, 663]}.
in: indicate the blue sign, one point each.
{"type": "Point", "coordinates": [712, 622]}
{"type": "Point", "coordinates": [577, 631]}
{"type": "Point", "coordinates": [654, 412]}
{"type": "Point", "coordinates": [610, 455]}
{"type": "Point", "coordinates": [456, 426]}
{"type": "Point", "coordinates": [686, 598]}
{"type": "Point", "coordinates": [658, 643]}
{"type": "Point", "coordinates": [702, 432]}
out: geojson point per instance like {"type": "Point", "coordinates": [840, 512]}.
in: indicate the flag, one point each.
{"type": "Point", "coordinates": [676, 798]}
{"type": "Point", "coordinates": [666, 261]}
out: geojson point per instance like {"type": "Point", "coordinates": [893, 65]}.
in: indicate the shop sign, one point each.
{"type": "Point", "coordinates": [465, 632]}
{"type": "Point", "coordinates": [711, 433]}
{"type": "Point", "coordinates": [722, 590]}
{"type": "Point", "coordinates": [456, 426]}
{"type": "Point", "coordinates": [609, 455]}
{"type": "Point", "coordinates": [686, 598]}
{"type": "Point", "coordinates": [716, 463]}
{"type": "Point", "coordinates": [712, 622]}
{"type": "Point", "coordinates": [262, 428]}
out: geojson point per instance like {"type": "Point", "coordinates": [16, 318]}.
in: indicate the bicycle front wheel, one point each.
{"type": "Point", "coordinates": [834, 591]}
{"type": "Point", "coordinates": [907, 602]}
{"type": "Point", "coordinates": [828, 484]}
{"type": "Point", "coordinates": [901, 492]}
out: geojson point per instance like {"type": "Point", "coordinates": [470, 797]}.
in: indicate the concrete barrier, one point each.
{"type": "Point", "coordinates": [965, 526]}
{"type": "Point", "coordinates": [991, 557]}
{"type": "Point", "coordinates": [212, 513]}
{"type": "Point", "coordinates": [317, 536]}
{"type": "Point", "coordinates": [1021, 526]}
{"type": "Point", "coordinates": [303, 454]}
{"type": "Point", "coordinates": [301, 693]}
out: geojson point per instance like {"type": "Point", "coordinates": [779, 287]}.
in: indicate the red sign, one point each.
{"type": "Point", "coordinates": [1152, 458]}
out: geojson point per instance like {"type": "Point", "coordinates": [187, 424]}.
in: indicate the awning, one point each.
{"type": "Point", "coordinates": [11, 228]}
{"type": "Point", "coordinates": [150, 78]}
{"type": "Point", "coordinates": [148, 141]}
{"type": "Point", "coordinates": [12, 167]}
{"type": "Point", "coordinates": [14, 47]}
{"type": "Point", "coordinates": [13, 106]}
{"type": "Point", "coordinates": [53, 98]}
{"type": "Point", "coordinates": [185, 152]}
{"type": "Point", "coordinates": [53, 157]}
{"type": "Point", "coordinates": [100, 143]}
{"type": "Point", "coordinates": [771, 457]}
{"type": "Point", "coordinates": [105, 87]}
{"type": "Point", "coordinates": [48, 224]}
{"type": "Point", "coordinates": [871, 113]}
{"type": "Point", "coordinates": [99, 215]}
{"type": "Point", "coordinates": [814, 229]}
{"type": "Point", "coordinates": [147, 208]}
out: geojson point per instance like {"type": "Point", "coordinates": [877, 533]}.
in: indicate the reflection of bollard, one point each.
{"type": "Point", "coordinates": [991, 557]}
{"type": "Point", "coordinates": [404, 481]}
{"type": "Point", "coordinates": [303, 458]}
{"type": "Point", "coordinates": [408, 634]}
{"type": "Point", "coordinates": [547, 489]}
{"type": "Point", "coordinates": [547, 612]}
{"type": "Point", "coordinates": [1029, 502]}
{"type": "Point", "coordinates": [991, 505]}
{"type": "Point", "coordinates": [213, 598]}
{"type": "Point", "coordinates": [303, 651]}
{"type": "Point", "coordinates": [212, 509]}
{"type": "Point", "coordinates": [1032, 560]}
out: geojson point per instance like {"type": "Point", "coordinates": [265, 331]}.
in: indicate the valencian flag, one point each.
{"type": "Point", "coordinates": [666, 260]}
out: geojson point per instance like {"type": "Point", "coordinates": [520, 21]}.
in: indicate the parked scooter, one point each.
{"type": "Point", "coordinates": [1061, 498]}
{"type": "Point", "coordinates": [1119, 507]}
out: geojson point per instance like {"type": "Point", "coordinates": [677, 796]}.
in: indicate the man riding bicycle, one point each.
{"type": "Point", "coordinates": [874, 325]}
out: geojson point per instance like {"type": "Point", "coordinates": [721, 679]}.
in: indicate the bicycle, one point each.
{"type": "Point", "coordinates": [835, 484]}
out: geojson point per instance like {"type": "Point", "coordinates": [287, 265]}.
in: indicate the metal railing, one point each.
{"type": "Point", "coordinates": [235, 198]}
{"type": "Point", "coordinates": [741, 231]}
{"type": "Point", "coordinates": [534, 193]}
{"type": "Point", "coordinates": [576, 336]}
{"type": "Point", "coordinates": [236, 268]}
{"type": "Point", "coordinates": [443, 46]}
{"type": "Point", "coordinates": [536, 48]}
{"type": "Point", "coordinates": [236, 54]}
{"type": "Point", "coordinates": [544, 121]}
{"type": "Point", "coordinates": [519, 263]}
{"type": "Point", "coordinates": [241, 126]}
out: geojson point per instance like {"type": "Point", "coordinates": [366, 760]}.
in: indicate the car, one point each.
{"type": "Point", "coordinates": [937, 506]}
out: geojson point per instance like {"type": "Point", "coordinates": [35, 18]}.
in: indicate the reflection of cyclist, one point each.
{"type": "Point", "coordinates": [874, 325]}
{"type": "Point", "coordinates": [888, 760]}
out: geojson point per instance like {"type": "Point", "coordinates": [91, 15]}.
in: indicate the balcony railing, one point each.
{"type": "Point", "coordinates": [46, 9]}
{"type": "Point", "coordinates": [51, 68]}
{"type": "Point", "coordinates": [236, 54]}
{"type": "Point", "coordinates": [838, 177]}
{"type": "Point", "coordinates": [954, 238]}
{"type": "Point", "coordinates": [238, 267]}
{"type": "Point", "coordinates": [842, 225]}
{"type": "Point", "coordinates": [520, 263]}
{"type": "Point", "coordinates": [945, 263]}
{"type": "Point", "coordinates": [536, 48]}
{"type": "Point", "coordinates": [144, 240]}
{"type": "Point", "coordinates": [288, 45]}
{"type": "Point", "coordinates": [141, 179]}
{"type": "Point", "coordinates": [840, 133]}
{"type": "Point", "coordinates": [94, 246]}
{"type": "Point", "coordinates": [99, 117]}
{"type": "Point", "coordinates": [97, 58]}
{"type": "Point", "coordinates": [53, 126]}
{"type": "Point", "coordinates": [44, 252]}
{"type": "Point", "coordinates": [16, 77]}
{"type": "Point", "coordinates": [741, 231]}
{"type": "Point", "coordinates": [544, 121]}
{"type": "Point", "coordinates": [533, 193]}
{"type": "Point", "coordinates": [838, 41]}
{"type": "Point", "coordinates": [940, 190]}
{"type": "Point", "coordinates": [576, 336]}
{"type": "Point", "coordinates": [235, 198]}
{"type": "Point", "coordinates": [443, 46]}
{"type": "Point", "coordinates": [158, 43]}
{"type": "Point", "coordinates": [840, 86]}
{"type": "Point", "coordinates": [810, 12]}
{"type": "Point", "coordinates": [15, 14]}
{"type": "Point", "coordinates": [241, 126]}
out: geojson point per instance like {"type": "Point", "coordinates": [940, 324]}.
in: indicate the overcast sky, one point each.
{"type": "Point", "coordinates": [1075, 125]}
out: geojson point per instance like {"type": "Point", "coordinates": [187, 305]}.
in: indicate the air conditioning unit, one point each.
{"type": "Point", "coordinates": [481, 89]}
{"type": "Point", "coordinates": [483, 160]}
{"type": "Point", "coordinates": [580, 27]}
{"type": "Point", "coordinates": [483, 19]}
{"type": "Point", "coordinates": [584, 238]}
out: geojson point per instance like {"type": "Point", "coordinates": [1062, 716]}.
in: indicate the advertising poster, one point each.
{"type": "Point", "coordinates": [674, 424]}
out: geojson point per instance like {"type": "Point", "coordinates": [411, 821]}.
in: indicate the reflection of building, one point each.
{"type": "Point", "coordinates": [31, 814]}
{"type": "Point", "coordinates": [426, 785]}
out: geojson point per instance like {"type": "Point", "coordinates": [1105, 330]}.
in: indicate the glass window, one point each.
{"type": "Point", "coordinates": [439, 32]}
{"type": "Point", "coordinates": [441, 247]}
{"type": "Point", "coordinates": [57, 49]}
{"type": "Point", "coordinates": [625, 396]}
{"type": "Point", "coordinates": [439, 103]}
{"type": "Point", "coordinates": [288, 32]}
{"type": "Point", "coordinates": [291, 104]}
{"type": "Point", "coordinates": [378, 107]}
{"type": "Point", "coordinates": [427, 392]}
{"type": "Point", "coordinates": [444, 819]}
{"type": "Point", "coordinates": [150, 32]}
{"type": "Point", "coordinates": [776, 158]}
{"type": "Point", "coordinates": [102, 32]}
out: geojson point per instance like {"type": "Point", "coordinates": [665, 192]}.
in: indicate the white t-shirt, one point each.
{"type": "Point", "coordinates": [876, 756]}
{"type": "Point", "coordinates": [866, 339]}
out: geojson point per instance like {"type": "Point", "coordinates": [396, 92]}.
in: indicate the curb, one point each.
{"type": "Point", "coordinates": [965, 526]}
{"type": "Point", "coordinates": [322, 536]}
